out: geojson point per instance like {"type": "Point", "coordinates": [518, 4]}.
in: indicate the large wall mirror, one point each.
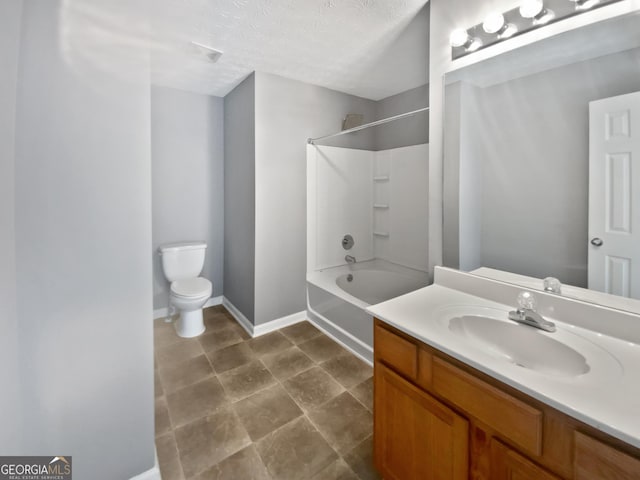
{"type": "Point", "coordinates": [542, 160]}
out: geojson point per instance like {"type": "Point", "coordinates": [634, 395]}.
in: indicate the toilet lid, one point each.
{"type": "Point", "coordinates": [191, 287]}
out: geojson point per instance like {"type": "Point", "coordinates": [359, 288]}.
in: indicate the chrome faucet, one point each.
{"type": "Point", "coordinates": [350, 259]}
{"type": "Point", "coordinates": [526, 313]}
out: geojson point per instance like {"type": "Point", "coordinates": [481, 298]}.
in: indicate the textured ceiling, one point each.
{"type": "Point", "coordinates": [369, 48]}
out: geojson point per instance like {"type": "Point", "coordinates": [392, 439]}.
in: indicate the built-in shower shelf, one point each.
{"type": "Point", "coordinates": [381, 234]}
{"type": "Point", "coordinates": [380, 206]}
{"type": "Point", "coordinates": [381, 178]}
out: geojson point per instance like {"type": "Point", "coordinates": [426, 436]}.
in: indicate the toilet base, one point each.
{"type": "Point", "coordinates": [190, 324]}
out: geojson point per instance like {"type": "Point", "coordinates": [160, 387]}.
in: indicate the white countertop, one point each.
{"type": "Point", "coordinates": [607, 397]}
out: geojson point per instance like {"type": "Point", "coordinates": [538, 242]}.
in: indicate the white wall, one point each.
{"type": "Point", "coordinates": [342, 204]}
{"type": "Point", "coordinates": [10, 416]}
{"type": "Point", "coordinates": [83, 236]}
{"type": "Point", "coordinates": [187, 148]}
{"type": "Point", "coordinates": [239, 196]}
{"type": "Point", "coordinates": [287, 113]}
{"type": "Point", "coordinates": [445, 17]}
{"type": "Point", "coordinates": [406, 195]}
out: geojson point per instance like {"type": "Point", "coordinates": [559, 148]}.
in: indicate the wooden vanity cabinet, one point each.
{"type": "Point", "coordinates": [436, 418]}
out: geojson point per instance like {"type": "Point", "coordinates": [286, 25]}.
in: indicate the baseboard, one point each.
{"type": "Point", "coordinates": [279, 323]}
{"type": "Point", "coordinates": [237, 314]}
{"type": "Point", "coordinates": [163, 312]}
{"type": "Point", "coordinates": [257, 330]}
{"type": "Point", "coordinates": [152, 474]}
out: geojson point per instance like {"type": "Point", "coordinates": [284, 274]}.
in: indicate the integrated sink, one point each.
{"type": "Point", "coordinates": [521, 345]}
{"type": "Point", "coordinates": [565, 355]}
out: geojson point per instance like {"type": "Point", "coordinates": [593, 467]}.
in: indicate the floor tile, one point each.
{"type": "Point", "coordinates": [162, 422]}
{"type": "Point", "coordinates": [337, 470]}
{"type": "Point", "coordinates": [218, 339]}
{"type": "Point", "coordinates": [195, 401]}
{"type": "Point", "coordinates": [164, 333]}
{"type": "Point", "coordinates": [364, 393]}
{"type": "Point", "coordinates": [360, 459]}
{"type": "Point", "coordinates": [168, 459]}
{"type": "Point", "coordinates": [296, 451]}
{"type": "Point", "coordinates": [243, 465]}
{"type": "Point", "coordinates": [157, 384]}
{"type": "Point", "coordinates": [246, 380]}
{"type": "Point", "coordinates": [185, 373]}
{"type": "Point", "coordinates": [266, 410]}
{"type": "Point", "coordinates": [231, 407]}
{"type": "Point", "coordinates": [231, 357]}
{"type": "Point", "coordinates": [300, 332]}
{"type": "Point", "coordinates": [343, 421]}
{"type": "Point", "coordinates": [269, 343]}
{"type": "Point", "coordinates": [209, 440]}
{"type": "Point", "coordinates": [171, 355]}
{"type": "Point", "coordinates": [348, 370]}
{"type": "Point", "coordinates": [217, 320]}
{"type": "Point", "coordinates": [321, 348]}
{"type": "Point", "coordinates": [287, 363]}
{"type": "Point", "coordinates": [312, 388]}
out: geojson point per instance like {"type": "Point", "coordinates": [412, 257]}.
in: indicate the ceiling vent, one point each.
{"type": "Point", "coordinates": [210, 53]}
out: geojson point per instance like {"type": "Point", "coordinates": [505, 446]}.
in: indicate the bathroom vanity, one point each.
{"type": "Point", "coordinates": [462, 392]}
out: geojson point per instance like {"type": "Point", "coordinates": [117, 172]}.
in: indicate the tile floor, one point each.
{"type": "Point", "coordinates": [291, 404]}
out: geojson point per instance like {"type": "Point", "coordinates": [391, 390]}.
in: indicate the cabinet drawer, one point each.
{"type": "Point", "coordinates": [396, 352]}
{"type": "Point", "coordinates": [595, 460]}
{"type": "Point", "coordinates": [514, 419]}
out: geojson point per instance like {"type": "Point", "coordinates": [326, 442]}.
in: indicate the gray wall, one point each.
{"type": "Point", "coordinates": [287, 113]}
{"type": "Point", "coordinates": [533, 146]}
{"type": "Point", "coordinates": [408, 131]}
{"type": "Point", "coordinates": [187, 153]}
{"type": "Point", "coordinates": [240, 196]}
{"type": "Point", "coordinates": [10, 413]}
{"type": "Point", "coordinates": [83, 235]}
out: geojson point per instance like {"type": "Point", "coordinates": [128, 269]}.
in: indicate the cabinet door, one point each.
{"type": "Point", "coordinates": [416, 436]}
{"type": "Point", "coordinates": [506, 464]}
{"type": "Point", "coordinates": [595, 460]}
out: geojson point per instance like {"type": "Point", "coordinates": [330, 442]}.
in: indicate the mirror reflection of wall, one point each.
{"type": "Point", "coordinates": [517, 159]}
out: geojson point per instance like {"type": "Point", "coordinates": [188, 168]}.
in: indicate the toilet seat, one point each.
{"type": "Point", "coordinates": [191, 287]}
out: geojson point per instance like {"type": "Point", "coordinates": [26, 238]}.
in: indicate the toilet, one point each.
{"type": "Point", "coordinates": [182, 264]}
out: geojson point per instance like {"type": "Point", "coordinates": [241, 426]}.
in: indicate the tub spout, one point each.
{"type": "Point", "coordinates": [350, 259]}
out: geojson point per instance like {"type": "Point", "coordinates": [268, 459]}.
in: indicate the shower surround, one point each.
{"type": "Point", "coordinates": [379, 198]}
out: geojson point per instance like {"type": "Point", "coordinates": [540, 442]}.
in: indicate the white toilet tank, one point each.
{"type": "Point", "coordinates": [182, 260]}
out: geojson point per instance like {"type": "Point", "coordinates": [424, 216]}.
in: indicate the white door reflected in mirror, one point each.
{"type": "Point", "coordinates": [614, 191]}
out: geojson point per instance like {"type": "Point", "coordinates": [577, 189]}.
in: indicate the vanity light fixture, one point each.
{"type": "Point", "coordinates": [528, 15]}
{"type": "Point", "coordinates": [536, 11]}
{"type": "Point", "coordinates": [461, 38]}
{"type": "Point", "coordinates": [494, 24]}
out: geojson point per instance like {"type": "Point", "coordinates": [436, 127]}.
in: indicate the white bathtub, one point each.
{"type": "Point", "coordinates": [337, 298]}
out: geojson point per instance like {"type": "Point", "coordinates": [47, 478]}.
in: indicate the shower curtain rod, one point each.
{"type": "Point", "coordinates": [311, 141]}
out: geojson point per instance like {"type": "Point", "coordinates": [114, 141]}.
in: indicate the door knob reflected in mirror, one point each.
{"type": "Point", "coordinates": [596, 242]}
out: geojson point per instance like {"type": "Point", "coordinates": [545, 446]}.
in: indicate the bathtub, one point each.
{"type": "Point", "coordinates": [337, 298]}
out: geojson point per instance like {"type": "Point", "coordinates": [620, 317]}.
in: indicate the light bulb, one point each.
{"type": "Point", "coordinates": [584, 4]}
{"type": "Point", "coordinates": [509, 30]}
{"type": "Point", "coordinates": [535, 10]}
{"type": "Point", "coordinates": [459, 37]}
{"type": "Point", "coordinates": [493, 22]}
{"type": "Point", "coordinates": [531, 8]}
